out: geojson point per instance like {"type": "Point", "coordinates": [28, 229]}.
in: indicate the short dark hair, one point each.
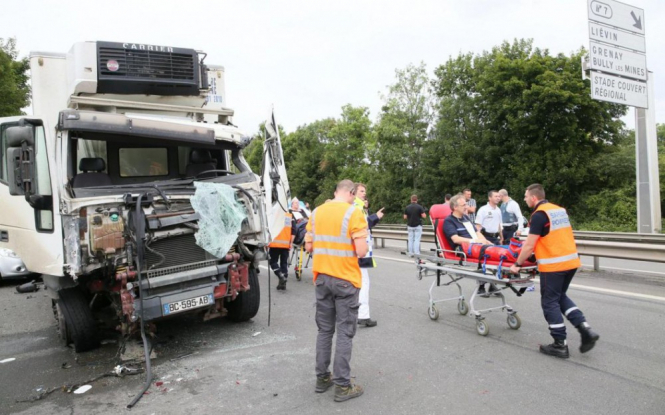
{"type": "Point", "coordinates": [491, 193]}
{"type": "Point", "coordinates": [414, 198]}
{"type": "Point", "coordinates": [536, 190]}
{"type": "Point", "coordinates": [466, 190]}
{"type": "Point", "coordinates": [448, 196]}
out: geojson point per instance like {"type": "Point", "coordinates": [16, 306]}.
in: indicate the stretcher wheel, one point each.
{"type": "Point", "coordinates": [514, 321]}
{"type": "Point", "coordinates": [433, 313]}
{"type": "Point", "coordinates": [462, 307]}
{"type": "Point", "coordinates": [482, 328]}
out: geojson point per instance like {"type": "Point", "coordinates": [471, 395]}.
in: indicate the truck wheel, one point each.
{"type": "Point", "coordinates": [246, 304]}
{"type": "Point", "coordinates": [76, 323]}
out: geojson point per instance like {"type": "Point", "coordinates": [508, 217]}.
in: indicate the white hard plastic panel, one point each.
{"type": "Point", "coordinates": [48, 75]}
{"type": "Point", "coordinates": [276, 208]}
{"type": "Point", "coordinates": [617, 14]}
{"type": "Point", "coordinates": [41, 252]}
{"type": "Point", "coordinates": [82, 68]}
{"type": "Point", "coordinates": [216, 97]}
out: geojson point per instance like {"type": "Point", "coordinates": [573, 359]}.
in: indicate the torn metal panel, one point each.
{"type": "Point", "coordinates": [221, 217]}
{"type": "Point", "coordinates": [70, 225]}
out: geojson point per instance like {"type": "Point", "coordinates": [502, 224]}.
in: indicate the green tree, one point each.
{"type": "Point", "coordinates": [402, 132]}
{"type": "Point", "coordinates": [517, 115]}
{"type": "Point", "coordinates": [14, 86]}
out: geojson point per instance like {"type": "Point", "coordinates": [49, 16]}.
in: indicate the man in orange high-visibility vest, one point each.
{"type": "Point", "coordinates": [337, 237]}
{"type": "Point", "coordinates": [551, 238]}
{"type": "Point", "coordinates": [279, 251]}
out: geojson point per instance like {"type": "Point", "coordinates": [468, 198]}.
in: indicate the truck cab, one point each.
{"type": "Point", "coordinates": [128, 186]}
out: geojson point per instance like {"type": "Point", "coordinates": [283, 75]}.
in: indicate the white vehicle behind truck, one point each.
{"type": "Point", "coordinates": [97, 188]}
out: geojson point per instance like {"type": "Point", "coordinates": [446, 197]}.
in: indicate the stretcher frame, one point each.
{"type": "Point", "coordinates": [459, 268]}
{"type": "Point", "coordinates": [298, 254]}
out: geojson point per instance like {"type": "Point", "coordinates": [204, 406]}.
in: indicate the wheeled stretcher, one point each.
{"type": "Point", "coordinates": [298, 255]}
{"type": "Point", "coordinates": [458, 264]}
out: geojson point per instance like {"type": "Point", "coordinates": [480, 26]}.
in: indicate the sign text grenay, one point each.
{"type": "Point", "coordinates": [617, 47]}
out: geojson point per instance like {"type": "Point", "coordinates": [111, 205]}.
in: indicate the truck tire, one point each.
{"type": "Point", "coordinates": [246, 304]}
{"type": "Point", "coordinates": [79, 324]}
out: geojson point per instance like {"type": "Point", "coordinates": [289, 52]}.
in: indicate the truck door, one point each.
{"type": "Point", "coordinates": [275, 181]}
{"type": "Point", "coordinates": [33, 233]}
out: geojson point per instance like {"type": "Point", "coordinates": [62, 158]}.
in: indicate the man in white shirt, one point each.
{"type": "Point", "coordinates": [488, 219]}
{"type": "Point", "coordinates": [512, 218]}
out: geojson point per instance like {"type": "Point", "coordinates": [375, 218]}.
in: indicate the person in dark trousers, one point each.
{"type": "Point", "coordinates": [551, 238]}
{"type": "Point", "coordinates": [337, 237]}
{"type": "Point", "coordinates": [279, 250]}
{"type": "Point", "coordinates": [414, 214]}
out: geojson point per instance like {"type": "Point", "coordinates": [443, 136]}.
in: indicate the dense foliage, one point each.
{"type": "Point", "coordinates": [14, 81]}
{"type": "Point", "coordinates": [504, 118]}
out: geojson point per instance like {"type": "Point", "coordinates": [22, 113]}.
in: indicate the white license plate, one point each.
{"type": "Point", "coordinates": [190, 303]}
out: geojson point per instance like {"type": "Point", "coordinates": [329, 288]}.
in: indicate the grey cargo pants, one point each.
{"type": "Point", "coordinates": [336, 304]}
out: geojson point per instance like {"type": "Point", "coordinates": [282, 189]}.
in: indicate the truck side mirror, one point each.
{"type": "Point", "coordinates": [21, 160]}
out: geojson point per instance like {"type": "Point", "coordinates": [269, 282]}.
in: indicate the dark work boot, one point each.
{"type": "Point", "coordinates": [367, 322]}
{"type": "Point", "coordinates": [589, 337]}
{"type": "Point", "coordinates": [344, 393]}
{"type": "Point", "coordinates": [557, 349]}
{"type": "Point", "coordinates": [281, 285]}
{"type": "Point", "coordinates": [323, 383]}
{"type": "Point", "coordinates": [494, 290]}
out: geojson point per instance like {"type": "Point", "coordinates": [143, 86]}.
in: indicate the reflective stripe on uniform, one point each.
{"type": "Point", "coordinates": [558, 259]}
{"type": "Point", "coordinates": [557, 326]}
{"type": "Point", "coordinates": [280, 241]}
{"type": "Point", "coordinates": [570, 310]}
{"type": "Point", "coordinates": [335, 239]}
{"type": "Point", "coordinates": [347, 218]}
{"type": "Point", "coordinates": [334, 252]}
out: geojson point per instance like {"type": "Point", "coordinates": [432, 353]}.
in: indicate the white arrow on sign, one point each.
{"type": "Point", "coordinates": [619, 15]}
{"type": "Point", "coordinates": [616, 37]}
{"type": "Point", "coordinates": [618, 90]}
{"type": "Point", "coordinates": [610, 59]}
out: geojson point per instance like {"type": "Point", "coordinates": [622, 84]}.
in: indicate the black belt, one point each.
{"type": "Point", "coordinates": [511, 227]}
{"type": "Point", "coordinates": [491, 235]}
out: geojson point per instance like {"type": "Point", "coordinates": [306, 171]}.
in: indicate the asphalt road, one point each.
{"type": "Point", "coordinates": [408, 364]}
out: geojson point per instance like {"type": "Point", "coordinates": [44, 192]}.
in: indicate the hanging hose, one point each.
{"type": "Point", "coordinates": [139, 225]}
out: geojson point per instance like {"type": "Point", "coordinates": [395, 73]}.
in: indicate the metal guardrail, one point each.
{"type": "Point", "coordinates": [618, 245]}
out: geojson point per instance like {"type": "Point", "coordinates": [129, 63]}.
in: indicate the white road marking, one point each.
{"type": "Point", "coordinates": [577, 286]}
{"type": "Point", "coordinates": [627, 270]}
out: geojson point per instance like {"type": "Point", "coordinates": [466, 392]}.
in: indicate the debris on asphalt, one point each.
{"type": "Point", "coordinates": [82, 389]}
{"type": "Point", "coordinates": [182, 356]}
{"type": "Point", "coordinates": [11, 359]}
{"type": "Point", "coordinates": [28, 287]}
{"type": "Point", "coordinates": [65, 366]}
{"type": "Point", "coordinates": [256, 334]}
{"type": "Point", "coordinates": [109, 341]}
{"type": "Point", "coordinates": [159, 383]}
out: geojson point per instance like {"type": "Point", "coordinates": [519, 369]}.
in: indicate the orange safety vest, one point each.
{"type": "Point", "coordinates": [283, 240]}
{"type": "Point", "coordinates": [333, 253]}
{"type": "Point", "coordinates": [557, 251]}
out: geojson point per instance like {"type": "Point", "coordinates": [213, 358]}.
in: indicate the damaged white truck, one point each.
{"type": "Point", "coordinates": [128, 187]}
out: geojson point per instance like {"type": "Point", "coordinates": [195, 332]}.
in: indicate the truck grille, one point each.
{"type": "Point", "coordinates": [178, 250]}
{"type": "Point", "coordinates": [154, 70]}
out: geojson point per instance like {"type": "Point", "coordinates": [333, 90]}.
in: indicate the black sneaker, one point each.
{"type": "Point", "coordinates": [557, 349]}
{"type": "Point", "coordinates": [481, 291]}
{"type": "Point", "coordinates": [367, 322]}
{"type": "Point", "coordinates": [589, 337]}
{"type": "Point", "coordinates": [323, 383]}
{"type": "Point", "coordinates": [344, 393]}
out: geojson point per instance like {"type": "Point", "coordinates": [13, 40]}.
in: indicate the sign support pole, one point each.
{"type": "Point", "coordinates": [649, 218]}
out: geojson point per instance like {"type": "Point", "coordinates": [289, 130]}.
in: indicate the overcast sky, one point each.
{"type": "Point", "coordinates": [309, 58]}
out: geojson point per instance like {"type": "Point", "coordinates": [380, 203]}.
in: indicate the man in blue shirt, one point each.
{"type": "Point", "coordinates": [458, 228]}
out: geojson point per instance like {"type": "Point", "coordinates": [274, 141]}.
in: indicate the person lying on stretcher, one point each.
{"type": "Point", "coordinates": [458, 230]}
